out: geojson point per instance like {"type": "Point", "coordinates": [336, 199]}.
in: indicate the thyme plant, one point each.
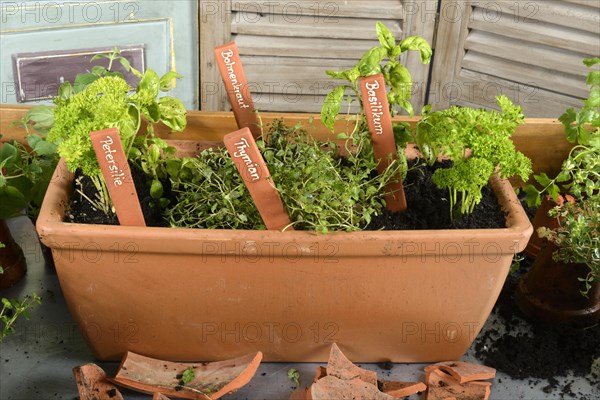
{"type": "Point", "coordinates": [320, 190]}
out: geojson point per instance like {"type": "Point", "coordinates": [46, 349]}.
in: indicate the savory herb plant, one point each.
{"type": "Point", "coordinates": [478, 142]}
{"type": "Point", "coordinates": [577, 237]}
{"type": "Point", "coordinates": [580, 172]}
{"type": "Point", "coordinates": [320, 190]}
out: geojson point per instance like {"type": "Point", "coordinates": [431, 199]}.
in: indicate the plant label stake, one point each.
{"type": "Point", "coordinates": [117, 174]}
{"type": "Point", "coordinates": [252, 167]}
{"type": "Point", "coordinates": [234, 78]}
{"type": "Point", "coordinates": [374, 97]}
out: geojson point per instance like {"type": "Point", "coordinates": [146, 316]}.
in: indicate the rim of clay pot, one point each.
{"type": "Point", "coordinates": [513, 238]}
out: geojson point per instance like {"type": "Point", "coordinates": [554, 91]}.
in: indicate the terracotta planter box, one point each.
{"type": "Point", "coordinates": [185, 294]}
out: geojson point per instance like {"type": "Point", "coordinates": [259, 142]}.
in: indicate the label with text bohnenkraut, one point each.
{"type": "Point", "coordinates": [117, 174]}
{"type": "Point", "coordinates": [249, 162]}
{"type": "Point", "coordinates": [234, 78]}
{"type": "Point", "coordinates": [377, 112]}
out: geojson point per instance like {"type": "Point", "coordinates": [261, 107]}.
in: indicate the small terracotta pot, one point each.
{"type": "Point", "coordinates": [551, 292]}
{"type": "Point", "coordinates": [541, 219]}
{"type": "Point", "coordinates": [12, 258]}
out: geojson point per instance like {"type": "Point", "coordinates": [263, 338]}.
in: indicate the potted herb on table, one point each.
{"type": "Point", "coordinates": [562, 286]}
{"type": "Point", "coordinates": [208, 293]}
{"type": "Point", "coordinates": [26, 170]}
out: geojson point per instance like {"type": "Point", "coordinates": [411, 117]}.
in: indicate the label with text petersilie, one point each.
{"type": "Point", "coordinates": [117, 174]}
{"type": "Point", "coordinates": [379, 119]}
{"type": "Point", "coordinates": [249, 162]}
{"type": "Point", "coordinates": [238, 92]}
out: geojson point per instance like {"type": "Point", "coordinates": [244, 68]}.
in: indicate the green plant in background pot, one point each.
{"type": "Point", "coordinates": [26, 172]}
{"type": "Point", "coordinates": [569, 264]}
{"type": "Point", "coordinates": [577, 237]}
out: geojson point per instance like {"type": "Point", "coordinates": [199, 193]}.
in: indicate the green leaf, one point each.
{"type": "Point", "coordinates": [294, 376]}
{"type": "Point", "coordinates": [125, 63]}
{"type": "Point", "coordinates": [420, 44]}
{"type": "Point", "coordinates": [6, 303]}
{"type": "Point", "coordinates": [188, 375]}
{"type": "Point", "coordinates": [331, 106]}
{"type": "Point", "coordinates": [65, 90]}
{"type": "Point", "coordinates": [44, 148]}
{"type": "Point", "coordinates": [369, 64]}
{"type": "Point", "coordinates": [172, 113]}
{"type": "Point", "coordinates": [42, 118]}
{"type": "Point", "coordinates": [156, 189]}
{"type": "Point", "coordinates": [99, 70]}
{"type": "Point", "coordinates": [12, 201]}
{"type": "Point", "coordinates": [593, 100]}
{"type": "Point", "coordinates": [167, 81]}
{"type": "Point", "coordinates": [9, 155]}
{"type": "Point", "coordinates": [149, 86]}
{"type": "Point", "coordinates": [83, 80]}
{"type": "Point", "coordinates": [386, 38]}
{"type": "Point", "coordinates": [402, 134]}
{"type": "Point", "coordinates": [532, 196]}
{"type": "Point", "coordinates": [542, 179]}
{"type": "Point", "coordinates": [568, 119]}
{"type": "Point", "coordinates": [593, 78]}
{"type": "Point", "coordinates": [590, 62]}
{"type": "Point", "coordinates": [350, 75]}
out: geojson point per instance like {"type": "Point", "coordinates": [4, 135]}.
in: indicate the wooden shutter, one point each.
{"type": "Point", "coordinates": [531, 51]}
{"type": "Point", "coordinates": [286, 46]}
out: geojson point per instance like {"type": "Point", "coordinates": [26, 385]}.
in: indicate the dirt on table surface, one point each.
{"type": "Point", "coordinates": [534, 351]}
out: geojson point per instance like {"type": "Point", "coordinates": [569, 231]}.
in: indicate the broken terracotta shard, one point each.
{"type": "Point", "coordinates": [401, 389]}
{"type": "Point", "coordinates": [159, 396]}
{"type": "Point", "coordinates": [321, 372]}
{"type": "Point", "coordinates": [210, 380]}
{"type": "Point", "coordinates": [93, 384]}
{"type": "Point", "coordinates": [340, 367]}
{"type": "Point", "coordinates": [331, 387]}
{"type": "Point", "coordinates": [465, 372]}
{"type": "Point", "coordinates": [442, 386]}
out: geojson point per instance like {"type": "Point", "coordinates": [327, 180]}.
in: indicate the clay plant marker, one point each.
{"type": "Point", "coordinates": [252, 167]}
{"type": "Point", "coordinates": [117, 174]}
{"type": "Point", "coordinates": [374, 97]}
{"type": "Point", "coordinates": [234, 78]}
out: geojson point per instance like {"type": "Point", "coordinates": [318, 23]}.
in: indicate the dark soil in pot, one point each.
{"type": "Point", "coordinates": [428, 206]}
{"type": "Point", "coordinates": [535, 351]}
{"type": "Point", "coordinates": [82, 211]}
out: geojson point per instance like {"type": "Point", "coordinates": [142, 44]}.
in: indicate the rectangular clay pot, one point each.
{"type": "Point", "coordinates": [192, 294]}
